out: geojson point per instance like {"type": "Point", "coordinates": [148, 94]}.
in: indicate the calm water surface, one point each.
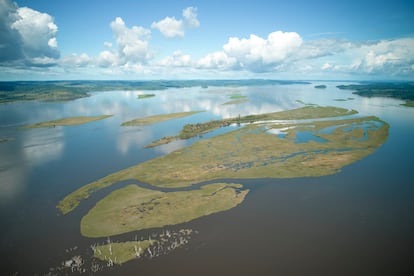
{"type": "Point", "coordinates": [357, 222]}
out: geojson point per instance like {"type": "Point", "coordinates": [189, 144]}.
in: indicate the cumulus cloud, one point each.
{"type": "Point", "coordinates": [326, 66]}
{"type": "Point", "coordinates": [28, 43]}
{"type": "Point", "coordinates": [132, 42]}
{"type": "Point", "coordinates": [27, 36]}
{"type": "Point", "coordinates": [385, 58]}
{"type": "Point", "coordinates": [76, 60]}
{"type": "Point", "coordinates": [171, 27]}
{"type": "Point", "coordinates": [217, 60]}
{"type": "Point", "coordinates": [10, 39]}
{"type": "Point", "coordinates": [132, 45]}
{"type": "Point", "coordinates": [190, 17]}
{"type": "Point", "coordinates": [259, 54]}
{"type": "Point", "coordinates": [388, 54]}
{"type": "Point", "coordinates": [178, 59]}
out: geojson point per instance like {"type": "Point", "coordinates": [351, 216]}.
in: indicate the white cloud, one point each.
{"type": "Point", "coordinates": [108, 44]}
{"type": "Point", "coordinates": [27, 36]}
{"type": "Point", "coordinates": [190, 17]}
{"type": "Point", "coordinates": [384, 55]}
{"type": "Point", "coordinates": [326, 66]}
{"type": "Point", "coordinates": [178, 59]}
{"type": "Point", "coordinates": [107, 59]}
{"type": "Point", "coordinates": [52, 42]}
{"type": "Point", "coordinates": [386, 58]}
{"type": "Point", "coordinates": [37, 31]}
{"type": "Point", "coordinates": [217, 60]}
{"type": "Point", "coordinates": [258, 54]}
{"type": "Point", "coordinates": [322, 48]}
{"type": "Point", "coordinates": [76, 60]}
{"type": "Point", "coordinates": [132, 42]}
{"type": "Point", "coordinates": [171, 27]}
{"type": "Point", "coordinates": [28, 39]}
{"type": "Point", "coordinates": [132, 46]}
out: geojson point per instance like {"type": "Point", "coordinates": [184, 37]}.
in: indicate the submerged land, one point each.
{"type": "Point", "coordinates": [121, 252]}
{"type": "Point", "coordinates": [264, 149]}
{"type": "Point", "coordinates": [160, 244]}
{"type": "Point", "coordinates": [69, 121]}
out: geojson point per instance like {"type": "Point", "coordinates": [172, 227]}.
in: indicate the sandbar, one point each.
{"type": "Point", "coordinates": [70, 121]}
{"type": "Point", "coordinates": [158, 118]}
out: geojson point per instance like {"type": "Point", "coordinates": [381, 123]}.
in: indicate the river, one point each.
{"type": "Point", "coordinates": [359, 221]}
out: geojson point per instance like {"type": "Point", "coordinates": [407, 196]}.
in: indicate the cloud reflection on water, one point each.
{"type": "Point", "coordinates": [43, 145]}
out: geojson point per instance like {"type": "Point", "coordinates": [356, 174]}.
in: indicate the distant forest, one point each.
{"type": "Point", "coordinates": [11, 91]}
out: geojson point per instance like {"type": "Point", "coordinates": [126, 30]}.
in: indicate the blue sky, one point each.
{"type": "Point", "coordinates": [296, 39]}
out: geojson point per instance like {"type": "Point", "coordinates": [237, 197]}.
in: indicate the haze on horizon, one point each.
{"type": "Point", "coordinates": [125, 39]}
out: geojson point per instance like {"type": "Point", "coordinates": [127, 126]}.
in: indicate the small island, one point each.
{"type": "Point", "coordinates": [236, 99]}
{"type": "Point", "coordinates": [5, 139]}
{"type": "Point", "coordinates": [344, 100]}
{"type": "Point", "coordinates": [145, 96]}
{"type": "Point", "coordinates": [158, 118]}
{"type": "Point", "coordinates": [408, 103]}
{"type": "Point", "coordinates": [70, 121]}
{"type": "Point", "coordinates": [322, 86]}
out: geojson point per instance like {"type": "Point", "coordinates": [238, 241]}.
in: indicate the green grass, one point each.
{"type": "Point", "coordinates": [158, 118]}
{"type": "Point", "coordinates": [70, 121]}
{"type": "Point", "coordinates": [133, 208]}
{"type": "Point", "coordinates": [253, 152]}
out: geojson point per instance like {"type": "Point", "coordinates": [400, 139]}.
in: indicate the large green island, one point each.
{"type": "Point", "coordinates": [254, 151]}
{"type": "Point", "coordinates": [305, 142]}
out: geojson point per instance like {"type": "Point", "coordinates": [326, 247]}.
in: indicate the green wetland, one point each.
{"type": "Point", "coordinates": [234, 177]}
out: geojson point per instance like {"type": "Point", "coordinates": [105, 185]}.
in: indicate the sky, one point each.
{"type": "Point", "coordinates": [200, 39]}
